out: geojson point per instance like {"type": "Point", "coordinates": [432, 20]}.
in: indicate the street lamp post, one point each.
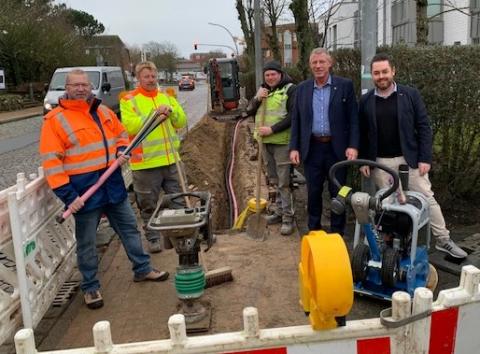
{"type": "Point", "coordinates": [230, 33]}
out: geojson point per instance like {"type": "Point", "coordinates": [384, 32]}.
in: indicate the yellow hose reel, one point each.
{"type": "Point", "coordinates": [325, 279]}
{"type": "Point", "coordinates": [250, 209]}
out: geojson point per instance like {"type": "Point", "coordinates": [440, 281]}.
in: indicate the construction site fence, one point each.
{"type": "Point", "coordinates": [37, 255]}
{"type": "Point", "coordinates": [418, 325]}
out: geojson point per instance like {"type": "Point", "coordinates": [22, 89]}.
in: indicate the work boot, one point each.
{"type": "Point", "coordinates": [448, 246]}
{"type": "Point", "coordinates": [93, 299]}
{"type": "Point", "coordinates": [153, 275]}
{"type": "Point", "coordinates": [287, 226]}
{"type": "Point", "coordinates": [154, 246]}
{"type": "Point", "coordinates": [273, 219]}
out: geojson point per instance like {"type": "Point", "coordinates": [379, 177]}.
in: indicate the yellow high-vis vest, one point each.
{"type": "Point", "coordinates": [156, 150]}
{"type": "Point", "coordinates": [276, 111]}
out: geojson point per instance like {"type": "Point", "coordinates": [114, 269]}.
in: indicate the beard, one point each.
{"type": "Point", "coordinates": [383, 84]}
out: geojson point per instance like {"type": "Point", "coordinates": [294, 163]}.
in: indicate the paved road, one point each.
{"type": "Point", "coordinates": [19, 139]}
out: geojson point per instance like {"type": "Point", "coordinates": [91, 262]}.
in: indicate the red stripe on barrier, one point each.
{"type": "Point", "coordinates": [374, 346]}
{"type": "Point", "coordinates": [262, 351]}
{"type": "Point", "coordinates": [443, 331]}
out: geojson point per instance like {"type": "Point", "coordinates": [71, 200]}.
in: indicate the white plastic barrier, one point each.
{"type": "Point", "coordinates": [44, 250]}
{"type": "Point", "coordinates": [449, 325]}
{"type": "Point", "coordinates": [10, 315]}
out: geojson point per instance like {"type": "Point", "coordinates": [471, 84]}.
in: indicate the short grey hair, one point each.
{"type": "Point", "coordinates": [319, 50]}
{"type": "Point", "coordinates": [75, 72]}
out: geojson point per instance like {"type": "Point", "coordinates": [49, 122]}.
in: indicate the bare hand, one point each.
{"type": "Point", "coordinates": [295, 157]}
{"type": "Point", "coordinates": [164, 110]}
{"type": "Point", "coordinates": [122, 158]}
{"type": "Point", "coordinates": [351, 153]}
{"type": "Point", "coordinates": [261, 93]}
{"type": "Point", "coordinates": [365, 170]}
{"type": "Point", "coordinates": [76, 205]}
{"type": "Point", "coordinates": [423, 168]}
{"type": "Point", "coordinates": [264, 131]}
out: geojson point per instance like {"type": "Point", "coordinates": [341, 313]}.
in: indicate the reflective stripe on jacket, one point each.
{"type": "Point", "coordinates": [156, 150]}
{"type": "Point", "coordinates": [276, 111]}
{"type": "Point", "coordinates": [72, 143]}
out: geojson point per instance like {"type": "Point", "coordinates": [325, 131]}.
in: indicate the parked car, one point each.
{"type": "Point", "coordinates": [107, 84]}
{"type": "Point", "coordinates": [186, 83]}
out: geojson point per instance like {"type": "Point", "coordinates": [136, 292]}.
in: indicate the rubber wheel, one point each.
{"type": "Point", "coordinates": [360, 258]}
{"type": "Point", "coordinates": [390, 267]}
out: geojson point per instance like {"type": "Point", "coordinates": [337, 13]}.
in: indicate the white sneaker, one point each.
{"type": "Point", "coordinates": [448, 246]}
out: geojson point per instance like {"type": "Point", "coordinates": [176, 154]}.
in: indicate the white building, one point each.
{"type": "Point", "coordinates": [450, 22]}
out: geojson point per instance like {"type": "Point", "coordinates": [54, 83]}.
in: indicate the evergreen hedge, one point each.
{"type": "Point", "coordinates": [448, 79]}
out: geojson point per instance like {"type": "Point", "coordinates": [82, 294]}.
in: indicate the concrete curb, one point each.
{"type": "Point", "coordinates": [20, 117]}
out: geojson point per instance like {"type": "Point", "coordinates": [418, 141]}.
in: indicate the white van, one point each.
{"type": "Point", "coordinates": [107, 83]}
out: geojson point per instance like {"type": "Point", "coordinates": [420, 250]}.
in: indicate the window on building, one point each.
{"type": "Point", "coordinates": [402, 23]}
{"type": "Point", "coordinates": [334, 33]}
{"type": "Point", "coordinates": [475, 21]}
{"type": "Point", "coordinates": [356, 29]}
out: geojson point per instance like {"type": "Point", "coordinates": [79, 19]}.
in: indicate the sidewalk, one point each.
{"type": "Point", "coordinates": [11, 116]}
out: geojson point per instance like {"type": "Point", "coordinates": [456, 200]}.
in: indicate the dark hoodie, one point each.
{"type": "Point", "coordinates": [254, 104]}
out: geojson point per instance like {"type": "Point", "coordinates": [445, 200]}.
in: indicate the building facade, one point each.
{"type": "Point", "coordinates": [450, 22]}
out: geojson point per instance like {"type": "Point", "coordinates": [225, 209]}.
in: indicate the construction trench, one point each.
{"type": "Point", "coordinates": [264, 273]}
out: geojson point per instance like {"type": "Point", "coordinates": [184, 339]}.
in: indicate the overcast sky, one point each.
{"type": "Point", "coordinates": [181, 22]}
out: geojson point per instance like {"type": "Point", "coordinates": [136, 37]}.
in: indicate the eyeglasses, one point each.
{"type": "Point", "coordinates": [79, 85]}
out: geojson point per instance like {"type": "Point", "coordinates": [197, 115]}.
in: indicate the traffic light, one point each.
{"type": "Point", "coordinates": [195, 46]}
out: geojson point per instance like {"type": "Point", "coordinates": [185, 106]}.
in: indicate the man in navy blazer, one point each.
{"type": "Point", "coordinates": [324, 131]}
{"type": "Point", "coordinates": [395, 130]}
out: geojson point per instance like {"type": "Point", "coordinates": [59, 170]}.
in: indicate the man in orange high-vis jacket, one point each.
{"type": "Point", "coordinates": [153, 162]}
{"type": "Point", "coordinates": [79, 140]}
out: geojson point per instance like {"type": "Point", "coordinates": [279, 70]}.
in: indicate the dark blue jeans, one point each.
{"type": "Point", "coordinates": [319, 160]}
{"type": "Point", "coordinates": [123, 221]}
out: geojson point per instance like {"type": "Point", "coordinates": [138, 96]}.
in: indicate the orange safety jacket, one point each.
{"type": "Point", "coordinates": [74, 148]}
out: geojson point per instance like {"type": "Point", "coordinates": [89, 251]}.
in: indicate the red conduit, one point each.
{"type": "Point", "coordinates": [230, 173]}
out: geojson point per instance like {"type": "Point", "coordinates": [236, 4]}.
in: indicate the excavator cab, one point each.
{"type": "Point", "coordinates": [224, 86]}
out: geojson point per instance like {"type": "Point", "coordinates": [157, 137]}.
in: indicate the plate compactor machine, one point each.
{"type": "Point", "coordinates": [187, 224]}
{"type": "Point", "coordinates": [393, 255]}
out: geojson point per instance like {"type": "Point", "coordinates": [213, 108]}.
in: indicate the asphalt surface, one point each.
{"type": "Point", "coordinates": [20, 131]}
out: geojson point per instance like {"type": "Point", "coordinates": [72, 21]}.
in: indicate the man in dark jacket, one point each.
{"type": "Point", "coordinates": [395, 130]}
{"type": "Point", "coordinates": [79, 140]}
{"type": "Point", "coordinates": [272, 106]}
{"type": "Point", "coordinates": [324, 131]}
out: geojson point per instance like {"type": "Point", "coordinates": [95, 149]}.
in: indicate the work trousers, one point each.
{"type": "Point", "coordinates": [277, 160]}
{"type": "Point", "coordinates": [122, 219]}
{"type": "Point", "coordinates": [147, 185]}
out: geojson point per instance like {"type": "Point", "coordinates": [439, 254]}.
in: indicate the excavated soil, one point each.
{"type": "Point", "coordinates": [265, 273]}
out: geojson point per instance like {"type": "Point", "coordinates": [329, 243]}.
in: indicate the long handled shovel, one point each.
{"type": "Point", "coordinates": [257, 225]}
{"type": "Point", "coordinates": [181, 174]}
{"type": "Point", "coordinates": [152, 122]}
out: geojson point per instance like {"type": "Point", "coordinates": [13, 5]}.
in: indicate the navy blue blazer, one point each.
{"type": "Point", "coordinates": [413, 125]}
{"type": "Point", "coordinates": [342, 115]}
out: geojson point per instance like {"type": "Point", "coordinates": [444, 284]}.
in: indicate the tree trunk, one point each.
{"type": "Point", "coordinates": [299, 9]}
{"type": "Point", "coordinates": [422, 22]}
{"type": "Point", "coordinates": [247, 29]}
{"type": "Point", "coordinates": [273, 43]}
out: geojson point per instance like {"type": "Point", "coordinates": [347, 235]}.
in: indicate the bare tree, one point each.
{"type": "Point", "coordinates": [273, 10]}
{"type": "Point", "coordinates": [246, 17]}
{"type": "Point", "coordinates": [300, 10]}
{"type": "Point", "coordinates": [164, 55]}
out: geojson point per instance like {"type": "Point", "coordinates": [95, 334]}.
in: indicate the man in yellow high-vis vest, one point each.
{"type": "Point", "coordinates": [276, 93]}
{"type": "Point", "coordinates": [153, 162]}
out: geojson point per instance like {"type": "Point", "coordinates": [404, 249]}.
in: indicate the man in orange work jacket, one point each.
{"type": "Point", "coordinates": [79, 140]}
{"type": "Point", "coordinates": [153, 162]}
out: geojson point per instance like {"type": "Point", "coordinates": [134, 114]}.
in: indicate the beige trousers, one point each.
{"type": "Point", "coordinates": [416, 183]}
